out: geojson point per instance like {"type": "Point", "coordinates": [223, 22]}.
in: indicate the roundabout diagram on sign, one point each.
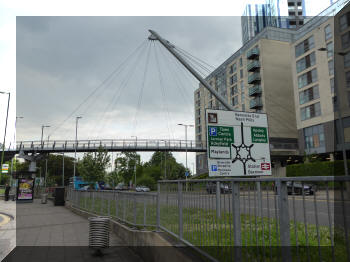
{"type": "Point", "coordinates": [245, 147]}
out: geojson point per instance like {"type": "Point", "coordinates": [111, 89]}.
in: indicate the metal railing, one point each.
{"type": "Point", "coordinates": [110, 144]}
{"type": "Point", "coordinates": [133, 208]}
{"type": "Point", "coordinates": [268, 219]}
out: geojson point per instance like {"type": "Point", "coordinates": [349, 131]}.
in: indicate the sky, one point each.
{"type": "Point", "coordinates": [53, 57]}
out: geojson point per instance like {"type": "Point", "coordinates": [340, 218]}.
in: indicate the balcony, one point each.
{"type": "Point", "coordinates": [254, 78]}
{"type": "Point", "coordinates": [255, 90]}
{"type": "Point", "coordinates": [255, 103]}
{"type": "Point", "coordinates": [253, 66]}
{"type": "Point", "coordinates": [253, 53]}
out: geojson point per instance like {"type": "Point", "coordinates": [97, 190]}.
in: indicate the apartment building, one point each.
{"type": "Point", "coordinates": [256, 78]}
{"type": "Point", "coordinates": [281, 72]}
{"type": "Point", "coordinates": [313, 70]}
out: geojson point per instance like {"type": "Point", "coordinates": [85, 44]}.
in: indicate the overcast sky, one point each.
{"type": "Point", "coordinates": [60, 60]}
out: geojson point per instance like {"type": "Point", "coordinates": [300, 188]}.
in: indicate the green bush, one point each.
{"type": "Point", "coordinates": [325, 168]}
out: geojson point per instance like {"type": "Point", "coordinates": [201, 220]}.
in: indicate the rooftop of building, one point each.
{"type": "Point", "coordinates": [283, 34]}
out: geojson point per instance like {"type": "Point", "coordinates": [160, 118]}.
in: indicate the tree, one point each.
{"type": "Point", "coordinates": [54, 169]}
{"type": "Point", "coordinates": [93, 165]}
{"type": "Point", "coordinates": [126, 165]}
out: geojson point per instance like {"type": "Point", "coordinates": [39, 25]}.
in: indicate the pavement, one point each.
{"type": "Point", "coordinates": [44, 232]}
{"type": "Point", "coordinates": [7, 227]}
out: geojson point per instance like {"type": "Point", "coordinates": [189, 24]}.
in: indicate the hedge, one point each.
{"type": "Point", "coordinates": [325, 168]}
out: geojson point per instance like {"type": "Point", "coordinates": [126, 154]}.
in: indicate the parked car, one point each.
{"type": "Point", "coordinates": [142, 189]}
{"type": "Point", "coordinates": [224, 188]}
{"type": "Point", "coordinates": [121, 186]}
{"type": "Point", "coordinates": [296, 188]}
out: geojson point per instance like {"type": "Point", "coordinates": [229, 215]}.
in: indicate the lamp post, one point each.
{"type": "Point", "coordinates": [135, 159]}
{"type": "Point", "coordinates": [7, 114]}
{"type": "Point", "coordinates": [76, 143]}
{"type": "Point", "coordinates": [185, 139]}
{"type": "Point", "coordinates": [342, 139]}
{"type": "Point", "coordinates": [42, 135]}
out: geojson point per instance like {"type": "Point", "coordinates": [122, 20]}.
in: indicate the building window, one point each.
{"type": "Point", "coordinates": [314, 137]}
{"type": "Point", "coordinates": [242, 87]}
{"type": "Point", "coordinates": [331, 67]}
{"type": "Point", "coordinates": [328, 32]}
{"type": "Point", "coordinates": [308, 95]}
{"type": "Point", "coordinates": [198, 111]}
{"type": "Point", "coordinates": [198, 95]}
{"type": "Point", "coordinates": [307, 78]}
{"type": "Point", "coordinates": [306, 62]}
{"type": "Point", "coordinates": [344, 21]}
{"type": "Point", "coordinates": [241, 73]}
{"type": "Point", "coordinates": [199, 120]}
{"type": "Point", "coordinates": [304, 46]}
{"type": "Point", "coordinates": [242, 98]}
{"type": "Point", "coordinates": [210, 104]}
{"type": "Point", "coordinates": [310, 111]}
{"type": "Point", "coordinates": [235, 100]}
{"type": "Point", "coordinates": [243, 107]}
{"type": "Point", "coordinates": [233, 79]}
{"type": "Point", "coordinates": [335, 104]}
{"type": "Point", "coordinates": [330, 49]}
{"type": "Point", "coordinates": [198, 129]}
{"type": "Point", "coordinates": [198, 103]}
{"type": "Point", "coordinates": [233, 68]}
{"type": "Point", "coordinates": [199, 138]}
{"type": "Point", "coordinates": [332, 85]}
{"type": "Point", "coordinates": [241, 62]}
{"type": "Point", "coordinates": [347, 60]}
{"type": "Point", "coordinates": [347, 79]}
{"type": "Point", "coordinates": [345, 40]}
{"type": "Point", "coordinates": [234, 90]}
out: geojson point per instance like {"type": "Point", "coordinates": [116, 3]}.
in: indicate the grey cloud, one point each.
{"type": "Point", "coordinates": [60, 60]}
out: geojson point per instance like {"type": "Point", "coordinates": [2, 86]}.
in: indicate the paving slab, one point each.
{"type": "Point", "coordinates": [44, 232]}
{"type": "Point", "coordinates": [7, 228]}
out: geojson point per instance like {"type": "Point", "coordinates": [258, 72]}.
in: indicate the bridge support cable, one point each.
{"type": "Point", "coordinates": [96, 89]}
{"type": "Point", "coordinates": [210, 67]}
{"type": "Point", "coordinates": [194, 63]}
{"type": "Point", "coordinates": [171, 48]}
{"type": "Point", "coordinates": [165, 104]}
{"type": "Point", "coordinates": [142, 88]}
{"type": "Point", "coordinates": [177, 81]}
{"type": "Point", "coordinates": [97, 129]}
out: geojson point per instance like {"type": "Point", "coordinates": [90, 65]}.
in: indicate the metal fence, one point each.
{"type": "Point", "coordinates": [250, 219]}
{"type": "Point", "coordinates": [133, 208]}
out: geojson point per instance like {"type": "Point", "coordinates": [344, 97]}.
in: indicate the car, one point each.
{"type": "Point", "coordinates": [142, 189]}
{"type": "Point", "coordinates": [296, 188]}
{"type": "Point", "coordinates": [121, 186]}
{"type": "Point", "coordinates": [224, 188]}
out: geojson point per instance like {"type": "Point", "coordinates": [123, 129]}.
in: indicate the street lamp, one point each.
{"type": "Point", "coordinates": [185, 139]}
{"type": "Point", "coordinates": [42, 134]}
{"type": "Point", "coordinates": [76, 142]}
{"type": "Point", "coordinates": [7, 114]}
{"type": "Point", "coordinates": [339, 112]}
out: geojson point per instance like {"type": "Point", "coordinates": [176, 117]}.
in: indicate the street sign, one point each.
{"type": "Point", "coordinates": [238, 143]}
{"type": "Point", "coordinates": [186, 173]}
{"type": "Point", "coordinates": [5, 168]}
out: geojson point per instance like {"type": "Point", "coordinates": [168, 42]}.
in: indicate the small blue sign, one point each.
{"type": "Point", "coordinates": [214, 168]}
{"type": "Point", "coordinates": [213, 131]}
{"type": "Point", "coordinates": [186, 174]}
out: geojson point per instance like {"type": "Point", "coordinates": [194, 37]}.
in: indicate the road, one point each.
{"type": "Point", "coordinates": [301, 210]}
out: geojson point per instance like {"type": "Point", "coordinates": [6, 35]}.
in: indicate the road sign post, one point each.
{"type": "Point", "coordinates": [238, 143]}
